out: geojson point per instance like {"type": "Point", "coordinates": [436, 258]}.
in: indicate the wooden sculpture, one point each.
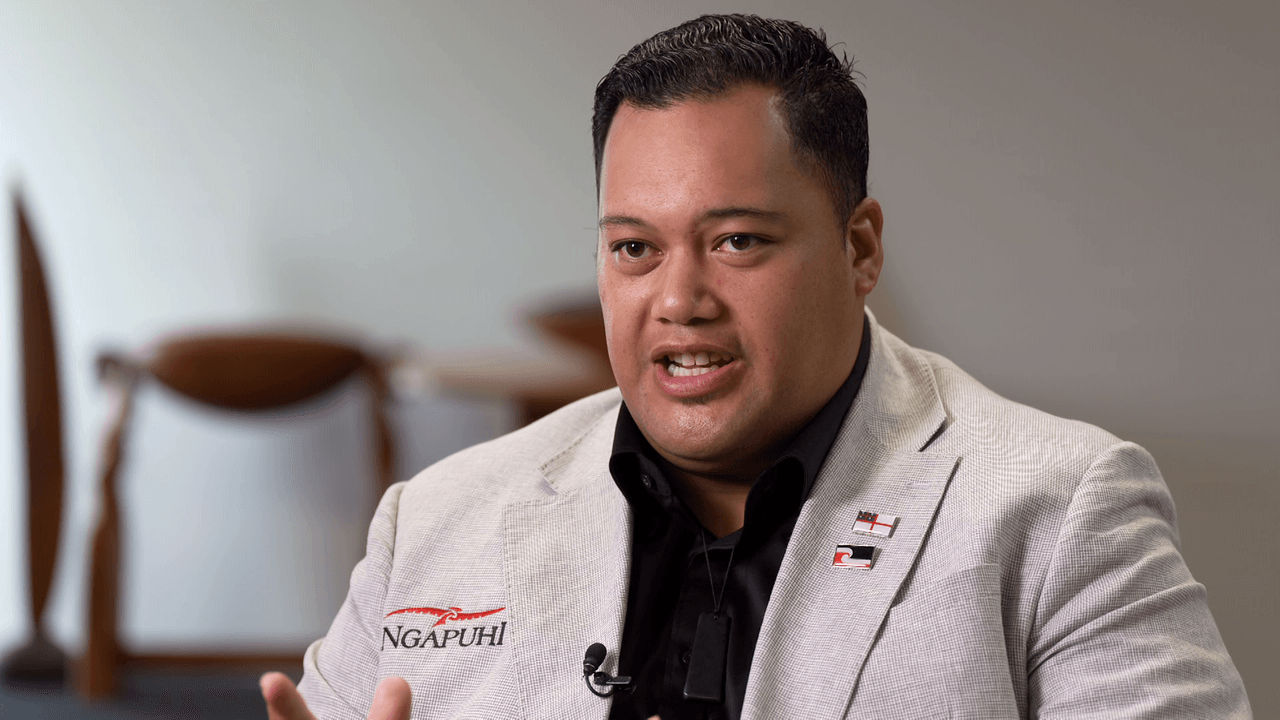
{"type": "Point", "coordinates": [39, 660]}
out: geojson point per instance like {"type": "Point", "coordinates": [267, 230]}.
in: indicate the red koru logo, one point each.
{"type": "Point", "coordinates": [445, 616]}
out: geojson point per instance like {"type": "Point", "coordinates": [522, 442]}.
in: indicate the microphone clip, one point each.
{"type": "Point", "coordinates": [591, 674]}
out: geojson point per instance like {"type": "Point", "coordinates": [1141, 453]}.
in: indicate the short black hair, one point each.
{"type": "Point", "coordinates": [825, 110]}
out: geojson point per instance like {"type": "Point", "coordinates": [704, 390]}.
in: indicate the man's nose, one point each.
{"type": "Point", "coordinates": [686, 295]}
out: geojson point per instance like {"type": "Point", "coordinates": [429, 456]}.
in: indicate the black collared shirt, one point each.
{"type": "Point", "coordinates": [670, 585]}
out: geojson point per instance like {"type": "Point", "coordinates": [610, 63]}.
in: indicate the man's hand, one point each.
{"type": "Point", "coordinates": [391, 701]}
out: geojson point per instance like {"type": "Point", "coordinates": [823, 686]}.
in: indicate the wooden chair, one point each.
{"type": "Point", "coordinates": [236, 372]}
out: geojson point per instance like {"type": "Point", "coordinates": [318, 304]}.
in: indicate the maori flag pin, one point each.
{"type": "Point", "coordinates": [854, 556]}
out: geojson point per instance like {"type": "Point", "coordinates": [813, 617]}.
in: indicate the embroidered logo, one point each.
{"type": "Point", "coordinates": [400, 638]}
{"type": "Point", "coordinates": [854, 556]}
{"type": "Point", "coordinates": [445, 615]}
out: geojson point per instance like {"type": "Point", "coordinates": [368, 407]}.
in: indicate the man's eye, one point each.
{"type": "Point", "coordinates": [740, 243]}
{"type": "Point", "coordinates": [633, 249]}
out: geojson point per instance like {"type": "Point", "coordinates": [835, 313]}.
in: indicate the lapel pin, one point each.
{"type": "Point", "coordinates": [854, 556]}
{"type": "Point", "coordinates": [870, 523]}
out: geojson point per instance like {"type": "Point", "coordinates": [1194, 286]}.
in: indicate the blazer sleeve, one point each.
{"type": "Point", "coordinates": [340, 670]}
{"type": "Point", "coordinates": [1122, 630]}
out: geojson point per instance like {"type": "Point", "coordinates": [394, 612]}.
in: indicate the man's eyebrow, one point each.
{"type": "Point", "coordinates": [622, 221]}
{"type": "Point", "coordinates": [747, 212]}
{"type": "Point", "coordinates": [714, 214]}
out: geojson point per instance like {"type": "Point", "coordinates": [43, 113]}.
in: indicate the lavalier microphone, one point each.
{"type": "Point", "coordinates": [591, 663]}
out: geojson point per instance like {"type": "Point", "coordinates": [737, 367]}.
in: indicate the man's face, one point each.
{"type": "Point", "coordinates": [732, 295]}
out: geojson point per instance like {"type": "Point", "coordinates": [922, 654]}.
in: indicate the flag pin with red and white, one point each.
{"type": "Point", "coordinates": [854, 556]}
{"type": "Point", "coordinates": [869, 523]}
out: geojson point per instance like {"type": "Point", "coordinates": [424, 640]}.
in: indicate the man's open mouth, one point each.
{"type": "Point", "coordinates": [690, 364]}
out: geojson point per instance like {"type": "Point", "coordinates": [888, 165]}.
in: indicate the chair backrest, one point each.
{"type": "Point", "coordinates": [253, 372]}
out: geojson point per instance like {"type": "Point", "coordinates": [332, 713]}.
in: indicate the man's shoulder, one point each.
{"type": "Point", "coordinates": [515, 462]}
{"type": "Point", "coordinates": [980, 413]}
{"type": "Point", "coordinates": [1010, 449]}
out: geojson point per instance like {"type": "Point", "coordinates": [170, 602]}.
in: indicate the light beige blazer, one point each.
{"type": "Point", "coordinates": [1034, 573]}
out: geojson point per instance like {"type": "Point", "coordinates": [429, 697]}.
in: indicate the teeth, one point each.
{"type": "Point", "coordinates": [702, 359]}
{"type": "Point", "coordinates": [678, 371]}
{"type": "Point", "coordinates": [688, 365]}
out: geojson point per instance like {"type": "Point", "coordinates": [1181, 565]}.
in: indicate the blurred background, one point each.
{"type": "Point", "coordinates": [1081, 212]}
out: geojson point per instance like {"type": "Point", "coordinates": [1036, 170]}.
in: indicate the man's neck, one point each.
{"type": "Point", "coordinates": [719, 502]}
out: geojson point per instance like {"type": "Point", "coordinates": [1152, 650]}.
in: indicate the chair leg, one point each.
{"type": "Point", "coordinates": [99, 668]}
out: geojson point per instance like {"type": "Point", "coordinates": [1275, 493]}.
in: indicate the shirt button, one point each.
{"type": "Point", "coordinates": [684, 658]}
{"type": "Point", "coordinates": [648, 482]}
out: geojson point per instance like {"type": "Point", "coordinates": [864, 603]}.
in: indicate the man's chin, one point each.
{"type": "Point", "coordinates": [718, 452]}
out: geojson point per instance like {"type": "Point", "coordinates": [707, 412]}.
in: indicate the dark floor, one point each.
{"type": "Point", "coordinates": [184, 694]}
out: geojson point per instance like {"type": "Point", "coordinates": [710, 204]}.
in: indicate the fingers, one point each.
{"type": "Point", "coordinates": [392, 700]}
{"type": "Point", "coordinates": [282, 698]}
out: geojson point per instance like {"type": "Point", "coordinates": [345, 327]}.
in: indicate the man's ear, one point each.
{"type": "Point", "coordinates": [862, 236]}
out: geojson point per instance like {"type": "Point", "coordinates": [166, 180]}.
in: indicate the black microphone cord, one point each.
{"type": "Point", "coordinates": [591, 662]}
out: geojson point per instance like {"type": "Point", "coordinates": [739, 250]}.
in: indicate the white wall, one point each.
{"type": "Point", "coordinates": [1080, 200]}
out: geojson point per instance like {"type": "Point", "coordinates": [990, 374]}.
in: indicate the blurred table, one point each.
{"type": "Point", "coordinates": [575, 364]}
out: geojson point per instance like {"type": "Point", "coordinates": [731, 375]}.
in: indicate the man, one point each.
{"type": "Point", "coordinates": [783, 511]}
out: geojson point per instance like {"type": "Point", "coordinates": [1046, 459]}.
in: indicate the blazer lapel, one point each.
{"type": "Point", "coordinates": [822, 621]}
{"type": "Point", "coordinates": [566, 559]}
